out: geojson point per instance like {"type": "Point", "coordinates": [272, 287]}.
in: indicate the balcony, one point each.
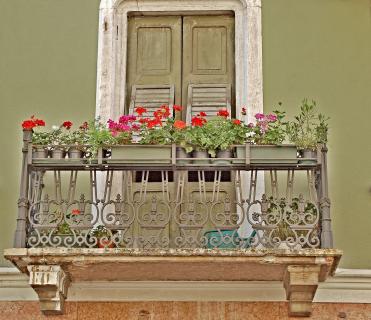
{"type": "Point", "coordinates": [161, 217]}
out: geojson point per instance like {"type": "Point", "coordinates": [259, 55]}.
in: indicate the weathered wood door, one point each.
{"type": "Point", "coordinates": [179, 51]}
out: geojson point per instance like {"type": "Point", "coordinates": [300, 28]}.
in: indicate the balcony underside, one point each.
{"type": "Point", "coordinates": [52, 269]}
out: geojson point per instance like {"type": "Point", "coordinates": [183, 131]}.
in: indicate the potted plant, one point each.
{"type": "Point", "coordinates": [77, 140]}
{"type": "Point", "coordinates": [284, 232]}
{"type": "Point", "coordinates": [98, 135]}
{"type": "Point", "coordinates": [308, 131]}
{"type": "Point", "coordinates": [59, 140]}
{"type": "Point", "coordinates": [265, 138]}
{"type": "Point", "coordinates": [103, 236]}
{"type": "Point", "coordinates": [183, 149]}
{"type": "Point", "coordinates": [40, 140]}
{"type": "Point", "coordinates": [197, 139]}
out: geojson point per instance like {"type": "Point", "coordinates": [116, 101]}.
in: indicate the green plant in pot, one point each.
{"type": "Point", "coordinates": [308, 130]}
{"type": "Point", "coordinates": [198, 139]}
{"type": "Point", "coordinates": [103, 236]}
{"type": "Point", "coordinates": [266, 139]}
{"type": "Point", "coordinates": [59, 140]}
{"type": "Point", "coordinates": [77, 141]}
{"type": "Point", "coordinates": [98, 135]}
{"type": "Point", "coordinates": [179, 137]}
{"type": "Point", "coordinates": [284, 231]}
{"type": "Point", "coordinates": [39, 139]}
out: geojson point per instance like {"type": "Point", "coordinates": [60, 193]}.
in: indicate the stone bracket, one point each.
{"type": "Point", "coordinates": [51, 284]}
{"type": "Point", "coordinates": [301, 283]}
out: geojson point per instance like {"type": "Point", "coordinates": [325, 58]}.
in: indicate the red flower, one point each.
{"type": "Point", "coordinates": [39, 123]}
{"type": "Point", "coordinates": [84, 126]}
{"type": "Point", "coordinates": [198, 121]}
{"type": "Point", "coordinates": [140, 110]}
{"type": "Point", "coordinates": [179, 124]}
{"type": "Point", "coordinates": [237, 122]}
{"type": "Point", "coordinates": [165, 111]}
{"type": "Point", "coordinates": [244, 112]}
{"type": "Point", "coordinates": [76, 212]}
{"type": "Point", "coordinates": [28, 125]}
{"type": "Point", "coordinates": [143, 120]}
{"type": "Point", "coordinates": [32, 123]}
{"type": "Point", "coordinates": [177, 108]}
{"type": "Point", "coordinates": [153, 123]}
{"type": "Point", "coordinates": [223, 113]}
{"type": "Point", "coordinates": [158, 114]}
{"type": "Point", "coordinates": [67, 125]}
{"type": "Point", "coordinates": [202, 114]}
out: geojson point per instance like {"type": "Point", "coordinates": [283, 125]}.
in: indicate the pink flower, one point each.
{"type": "Point", "coordinates": [272, 117]}
{"type": "Point", "coordinates": [259, 116]}
{"type": "Point", "coordinates": [250, 125]}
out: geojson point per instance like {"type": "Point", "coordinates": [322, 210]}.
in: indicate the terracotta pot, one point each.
{"type": "Point", "coordinates": [105, 244]}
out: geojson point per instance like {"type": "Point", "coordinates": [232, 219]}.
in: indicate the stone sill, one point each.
{"type": "Point", "coordinates": [52, 269]}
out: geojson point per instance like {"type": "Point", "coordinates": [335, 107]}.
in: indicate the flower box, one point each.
{"type": "Point", "coordinates": [141, 154]}
{"type": "Point", "coordinates": [267, 154]}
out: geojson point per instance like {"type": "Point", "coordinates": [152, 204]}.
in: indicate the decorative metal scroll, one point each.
{"type": "Point", "coordinates": [68, 210]}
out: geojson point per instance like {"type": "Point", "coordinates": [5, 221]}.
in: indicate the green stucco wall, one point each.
{"type": "Point", "coordinates": [319, 49]}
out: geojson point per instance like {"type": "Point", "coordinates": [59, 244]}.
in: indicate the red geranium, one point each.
{"type": "Point", "coordinates": [165, 111]}
{"type": "Point", "coordinates": [179, 124]}
{"type": "Point", "coordinates": [76, 212]}
{"type": "Point", "coordinates": [237, 122]}
{"type": "Point", "coordinates": [177, 108]}
{"type": "Point", "coordinates": [202, 114]}
{"type": "Point", "coordinates": [223, 113]}
{"type": "Point", "coordinates": [67, 125]}
{"type": "Point", "coordinates": [153, 123]}
{"type": "Point", "coordinates": [140, 110]}
{"type": "Point", "coordinates": [32, 123]}
{"type": "Point", "coordinates": [198, 121]}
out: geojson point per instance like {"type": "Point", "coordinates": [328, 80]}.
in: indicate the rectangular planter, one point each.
{"type": "Point", "coordinates": [261, 154]}
{"type": "Point", "coordinates": [138, 154]}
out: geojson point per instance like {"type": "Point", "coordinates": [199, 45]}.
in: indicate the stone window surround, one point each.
{"type": "Point", "coordinates": [112, 48]}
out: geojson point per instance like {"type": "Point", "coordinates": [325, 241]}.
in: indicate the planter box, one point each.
{"type": "Point", "coordinates": [261, 154]}
{"type": "Point", "coordinates": [138, 154]}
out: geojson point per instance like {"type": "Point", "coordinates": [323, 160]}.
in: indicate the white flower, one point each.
{"type": "Point", "coordinates": [55, 127]}
{"type": "Point", "coordinates": [250, 134]}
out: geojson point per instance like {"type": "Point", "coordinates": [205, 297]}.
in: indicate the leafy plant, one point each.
{"type": "Point", "coordinates": [100, 232]}
{"type": "Point", "coordinates": [98, 135]}
{"type": "Point", "coordinates": [41, 138]}
{"type": "Point", "coordinates": [219, 133]}
{"type": "Point", "coordinates": [269, 128]}
{"type": "Point", "coordinates": [309, 129]}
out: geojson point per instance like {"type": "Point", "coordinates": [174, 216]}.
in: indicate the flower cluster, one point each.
{"type": "Point", "coordinates": [32, 123]}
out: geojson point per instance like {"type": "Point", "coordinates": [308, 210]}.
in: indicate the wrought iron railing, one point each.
{"type": "Point", "coordinates": [173, 203]}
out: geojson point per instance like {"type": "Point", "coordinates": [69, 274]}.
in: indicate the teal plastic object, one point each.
{"type": "Point", "coordinates": [227, 239]}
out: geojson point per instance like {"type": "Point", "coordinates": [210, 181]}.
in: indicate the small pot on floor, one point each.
{"type": "Point", "coordinates": [309, 156]}
{"type": "Point", "coordinates": [182, 154]}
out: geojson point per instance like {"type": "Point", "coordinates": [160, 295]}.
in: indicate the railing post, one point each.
{"type": "Point", "coordinates": [324, 202]}
{"type": "Point", "coordinates": [23, 203]}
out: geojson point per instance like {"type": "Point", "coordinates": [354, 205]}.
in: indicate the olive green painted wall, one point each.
{"type": "Point", "coordinates": [312, 48]}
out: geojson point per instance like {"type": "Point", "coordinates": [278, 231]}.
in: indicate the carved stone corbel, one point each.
{"type": "Point", "coordinates": [51, 284]}
{"type": "Point", "coordinates": [301, 284]}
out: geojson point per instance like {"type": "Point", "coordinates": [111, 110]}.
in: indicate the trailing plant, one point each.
{"type": "Point", "coordinates": [309, 129]}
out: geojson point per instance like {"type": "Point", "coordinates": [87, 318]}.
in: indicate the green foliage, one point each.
{"type": "Point", "coordinates": [162, 134]}
{"type": "Point", "coordinates": [309, 129]}
{"type": "Point", "coordinates": [216, 134]}
{"type": "Point", "coordinates": [269, 129]}
{"type": "Point", "coordinates": [98, 135]}
{"type": "Point", "coordinates": [100, 232]}
{"type": "Point", "coordinates": [41, 138]}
